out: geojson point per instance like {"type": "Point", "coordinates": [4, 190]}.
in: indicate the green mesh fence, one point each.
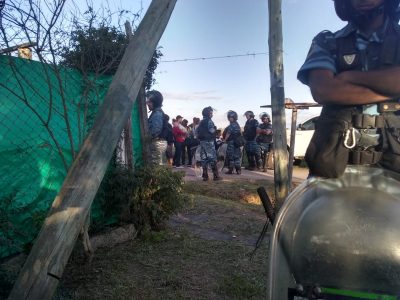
{"type": "Point", "coordinates": [45, 114]}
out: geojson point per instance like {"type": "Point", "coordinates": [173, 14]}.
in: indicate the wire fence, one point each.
{"type": "Point", "coordinates": [45, 114]}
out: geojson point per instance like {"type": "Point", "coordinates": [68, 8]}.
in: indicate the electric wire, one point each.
{"type": "Point", "coordinates": [214, 57]}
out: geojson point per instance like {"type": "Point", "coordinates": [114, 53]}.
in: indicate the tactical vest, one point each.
{"type": "Point", "coordinates": [343, 133]}
{"type": "Point", "coordinates": [203, 133]}
{"type": "Point", "coordinates": [265, 138]}
{"type": "Point", "coordinates": [250, 130]}
{"type": "Point", "coordinates": [235, 134]}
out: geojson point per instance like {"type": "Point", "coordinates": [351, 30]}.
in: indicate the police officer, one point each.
{"type": "Point", "coordinates": [253, 151]}
{"type": "Point", "coordinates": [206, 135]}
{"type": "Point", "coordinates": [355, 74]}
{"type": "Point", "coordinates": [264, 135]}
{"type": "Point", "coordinates": [158, 145]}
{"type": "Point", "coordinates": [233, 153]}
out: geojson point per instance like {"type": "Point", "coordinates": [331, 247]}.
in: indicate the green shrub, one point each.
{"type": "Point", "coordinates": [145, 197]}
{"type": "Point", "coordinates": [156, 194]}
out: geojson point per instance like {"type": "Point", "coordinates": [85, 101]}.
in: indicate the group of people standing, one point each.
{"type": "Point", "coordinates": [256, 139]}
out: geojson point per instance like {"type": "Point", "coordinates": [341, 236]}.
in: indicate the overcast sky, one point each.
{"type": "Point", "coordinates": [217, 28]}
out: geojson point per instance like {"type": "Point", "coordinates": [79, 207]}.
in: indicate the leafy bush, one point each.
{"type": "Point", "coordinates": [156, 194]}
{"type": "Point", "coordinates": [145, 197]}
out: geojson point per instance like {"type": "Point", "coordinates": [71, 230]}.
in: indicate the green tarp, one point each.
{"type": "Point", "coordinates": [45, 114]}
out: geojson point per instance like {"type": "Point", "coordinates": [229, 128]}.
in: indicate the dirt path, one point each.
{"type": "Point", "coordinates": [203, 254]}
{"type": "Point", "coordinates": [299, 174]}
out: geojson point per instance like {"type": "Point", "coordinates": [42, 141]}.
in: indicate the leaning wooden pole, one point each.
{"type": "Point", "coordinates": [278, 101]}
{"type": "Point", "coordinates": [50, 253]}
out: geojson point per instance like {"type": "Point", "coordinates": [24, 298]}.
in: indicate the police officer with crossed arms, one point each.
{"type": "Point", "coordinates": [355, 74]}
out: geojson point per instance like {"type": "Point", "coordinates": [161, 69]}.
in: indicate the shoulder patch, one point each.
{"type": "Point", "coordinates": [324, 36]}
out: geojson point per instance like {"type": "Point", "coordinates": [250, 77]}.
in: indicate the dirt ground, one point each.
{"type": "Point", "coordinates": [205, 251]}
{"type": "Point", "coordinates": [299, 174]}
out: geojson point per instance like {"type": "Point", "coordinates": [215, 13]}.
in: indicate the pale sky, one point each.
{"type": "Point", "coordinates": [215, 28]}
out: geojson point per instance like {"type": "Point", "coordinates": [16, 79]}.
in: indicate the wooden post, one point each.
{"type": "Point", "coordinates": [292, 145]}
{"type": "Point", "coordinates": [144, 126]}
{"type": "Point", "coordinates": [46, 262]}
{"type": "Point", "coordinates": [128, 126]}
{"type": "Point", "coordinates": [278, 102]}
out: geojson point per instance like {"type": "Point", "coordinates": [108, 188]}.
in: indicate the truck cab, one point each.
{"type": "Point", "coordinates": [304, 133]}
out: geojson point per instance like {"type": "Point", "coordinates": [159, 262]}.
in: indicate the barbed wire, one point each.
{"type": "Point", "coordinates": [215, 57]}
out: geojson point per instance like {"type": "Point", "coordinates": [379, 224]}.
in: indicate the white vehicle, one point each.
{"type": "Point", "coordinates": [304, 133]}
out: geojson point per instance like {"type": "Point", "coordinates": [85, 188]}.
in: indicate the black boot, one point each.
{"type": "Point", "coordinates": [230, 171]}
{"type": "Point", "coordinates": [205, 174]}
{"type": "Point", "coordinates": [252, 163]}
{"type": "Point", "coordinates": [238, 170]}
{"type": "Point", "coordinates": [259, 164]}
{"type": "Point", "coordinates": [215, 173]}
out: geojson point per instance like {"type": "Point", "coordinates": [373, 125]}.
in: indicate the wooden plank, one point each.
{"type": "Point", "coordinates": [128, 126]}
{"type": "Point", "coordinates": [50, 253]}
{"type": "Point", "coordinates": [278, 102]}
{"type": "Point", "coordinates": [292, 145]}
{"type": "Point", "coordinates": [16, 47]}
{"type": "Point", "coordinates": [298, 105]}
{"type": "Point", "coordinates": [144, 125]}
{"type": "Point", "coordinates": [144, 128]}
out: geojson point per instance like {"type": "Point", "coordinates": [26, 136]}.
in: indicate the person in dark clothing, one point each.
{"type": "Point", "coordinates": [206, 135]}
{"type": "Point", "coordinates": [192, 141]}
{"type": "Point", "coordinates": [253, 151]}
{"type": "Point", "coordinates": [158, 145]}
{"type": "Point", "coordinates": [179, 133]}
{"type": "Point", "coordinates": [233, 152]}
{"type": "Point", "coordinates": [170, 141]}
{"type": "Point", "coordinates": [355, 74]}
{"type": "Point", "coordinates": [264, 136]}
{"type": "Point", "coordinates": [185, 150]}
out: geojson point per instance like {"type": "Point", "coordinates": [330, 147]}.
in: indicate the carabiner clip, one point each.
{"type": "Point", "coordinates": [352, 132]}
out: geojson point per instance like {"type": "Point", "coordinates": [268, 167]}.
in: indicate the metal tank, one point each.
{"type": "Point", "coordinates": [338, 235]}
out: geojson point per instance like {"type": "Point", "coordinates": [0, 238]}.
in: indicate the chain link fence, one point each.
{"type": "Point", "coordinates": [45, 114]}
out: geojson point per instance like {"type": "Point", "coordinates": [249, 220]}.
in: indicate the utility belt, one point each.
{"type": "Point", "coordinates": [346, 136]}
{"type": "Point", "coordinates": [363, 137]}
{"type": "Point", "coordinates": [366, 134]}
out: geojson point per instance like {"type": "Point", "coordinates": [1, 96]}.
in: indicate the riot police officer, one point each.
{"type": "Point", "coordinates": [158, 145]}
{"type": "Point", "coordinates": [253, 151]}
{"type": "Point", "coordinates": [206, 134]}
{"type": "Point", "coordinates": [264, 135]}
{"type": "Point", "coordinates": [355, 74]}
{"type": "Point", "coordinates": [232, 137]}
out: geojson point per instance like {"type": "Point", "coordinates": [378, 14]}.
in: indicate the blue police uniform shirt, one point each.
{"type": "Point", "coordinates": [233, 129]}
{"type": "Point", "coordinates": [211, 126]}
{"type": "Point", "coordinates": [320, 57]}
{"type": "Point", "coordinates": [155, 121]}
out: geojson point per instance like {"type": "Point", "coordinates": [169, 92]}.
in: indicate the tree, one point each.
{"type": "Point", "coordinates": [97, 46]}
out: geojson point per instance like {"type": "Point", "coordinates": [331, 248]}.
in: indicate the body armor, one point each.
{"type": "Point", "coordinates": [343, 133]}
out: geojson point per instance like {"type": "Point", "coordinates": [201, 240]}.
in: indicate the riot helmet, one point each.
{"type": "Point", "coordinates": [346, 12]}
{"type": "Point", "coordinates": [232, 114]}
{"type": "Point", "coordinates": [249, 113]}
{"type": "Point", "coordinates": [264, 115]}
{"type": "Point", "coordinates": [155, 97]}
{"type": "Point", "coordinates": [206, 111]}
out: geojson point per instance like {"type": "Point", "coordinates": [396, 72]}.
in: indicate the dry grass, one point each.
{"type": "Point", "coordinates": [244, 191]}
{"type": "Point", "coordinates": [203, 254]}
